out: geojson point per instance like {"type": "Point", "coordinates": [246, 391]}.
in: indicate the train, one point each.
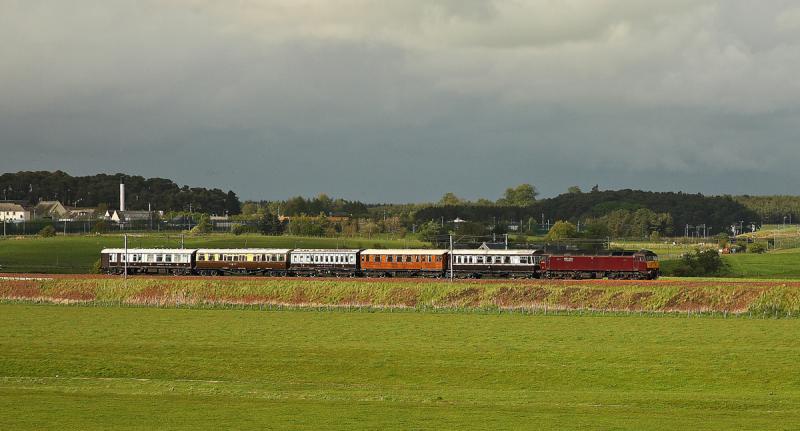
{"type": "Point", "coordinates": [433, 263]}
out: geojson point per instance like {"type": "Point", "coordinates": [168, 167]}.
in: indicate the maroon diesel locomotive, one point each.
{"type": "Point", "coordinates": [631, 265]}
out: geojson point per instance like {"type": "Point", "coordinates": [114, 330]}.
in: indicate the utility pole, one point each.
{"type": "Point", "coordinates": [125, 260]}
{"type": "Point", "coordinates": [451, 257]}
{"type": "Point", "coordinates": [506, 241]}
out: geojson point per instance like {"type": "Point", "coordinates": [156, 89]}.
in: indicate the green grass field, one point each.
{"type": "Point", "coordinates": [94, 368]}
{"type": "Point", "coordinates": [76, 254]}
{"type": "Point", "coordinates": [780, 263]}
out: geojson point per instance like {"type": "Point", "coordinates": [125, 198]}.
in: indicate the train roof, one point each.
{"type": "Point", "coordinates": [484, 252]}
{"type": "Point", "coordinates": [604, 253]}
{"type": "Point", "coordinates": [403, 251]}
{"type": "Point", "coordinates": [325, 250]}
{"type": "Point", "coordinates": [244, 250]}
{"type": "Point", "coordinates": [150, 250]}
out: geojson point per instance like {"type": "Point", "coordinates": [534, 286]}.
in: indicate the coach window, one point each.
{"type": "Point", "coordinates": [167, 258]}
{"type": "Point", "coordinates": [201, 257]}
{"type": "Point", "coordinates": [377, 258]}
{"type": "Point", "coordinates": [389, 258]}
{"type": "Point", "coordinates": [507, 259]}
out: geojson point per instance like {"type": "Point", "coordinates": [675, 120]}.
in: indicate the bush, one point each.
{"type": "Point", "coordinates": [758, 248]}
{"type": "Point", "coordinates": [562, 230]}
{"type": "Point", "coordinates": [243, 228]}
{"type": "Point", "coordinates": [698, 264]}
{"type": "Point", "coordinates": [203, 226]}
{"type": "Point", "coordinates": [101, 226]}
{"type": "Point", "coordinates": [97, 267]}
{"type": "Point", "coordinates": [47, 232]}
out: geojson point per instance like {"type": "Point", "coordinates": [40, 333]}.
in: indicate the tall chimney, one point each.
{"type": "Point", "coordinates": [121, 196]}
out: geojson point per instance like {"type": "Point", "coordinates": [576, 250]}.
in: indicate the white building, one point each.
{"type": "Point", "coordinates": [12, 213]}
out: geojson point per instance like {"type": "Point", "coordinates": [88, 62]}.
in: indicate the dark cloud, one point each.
{"type": "Point", "coordinates": [405, 102]}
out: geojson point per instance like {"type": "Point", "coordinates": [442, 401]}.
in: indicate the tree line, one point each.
{"type": "Point", "coordinates": [667, 213]}
{"type": "Point", "coordinates": [102, 190]}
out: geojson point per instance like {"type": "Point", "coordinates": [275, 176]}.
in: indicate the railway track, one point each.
{"type": "Point", "coordinates": [673, 282]}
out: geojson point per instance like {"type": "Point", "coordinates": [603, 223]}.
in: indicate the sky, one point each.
{"type": "Point", "coordinates": [404, 100]}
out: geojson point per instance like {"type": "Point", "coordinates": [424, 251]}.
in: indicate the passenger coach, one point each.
{"type": "Point", "coordinates": [148, 261]}
{"type": "Point", "coordinates": [243, 261]}
{"type": "Point", "coordinates": [404, 262]}
{"type": "Point", "coordinates": [496, 263]}
{"type": "Point", "coordinates": [321, 262]}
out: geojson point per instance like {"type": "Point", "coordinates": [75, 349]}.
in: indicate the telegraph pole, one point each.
{"type": "Point", "coordinates": [451, 258]}
{"type": "Point", "coordinates": [125, 264]}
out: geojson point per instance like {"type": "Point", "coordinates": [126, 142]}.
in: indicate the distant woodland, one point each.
{"type": "Point", "coordinates": [102, 190]}
{"type": "Point", "coordinates": [615, 213]}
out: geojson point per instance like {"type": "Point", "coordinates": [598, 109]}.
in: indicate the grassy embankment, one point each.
{"type": "Point", "coordinates": [127, 368]}
{"type": "Point", "coordinates": [76, 254]}
{"type": "Point", "coordinates": [774, 298]}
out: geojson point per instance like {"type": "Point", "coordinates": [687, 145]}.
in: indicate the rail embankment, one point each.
{"type": "Point", "coordinates": [779, 298]}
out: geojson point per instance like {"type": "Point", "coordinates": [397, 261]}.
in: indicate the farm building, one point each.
{"type": "Point", "coordinates": [14, 213]}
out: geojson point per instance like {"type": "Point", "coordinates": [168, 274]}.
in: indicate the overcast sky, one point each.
{"type": "Point", "coordinates": [401, 100]}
